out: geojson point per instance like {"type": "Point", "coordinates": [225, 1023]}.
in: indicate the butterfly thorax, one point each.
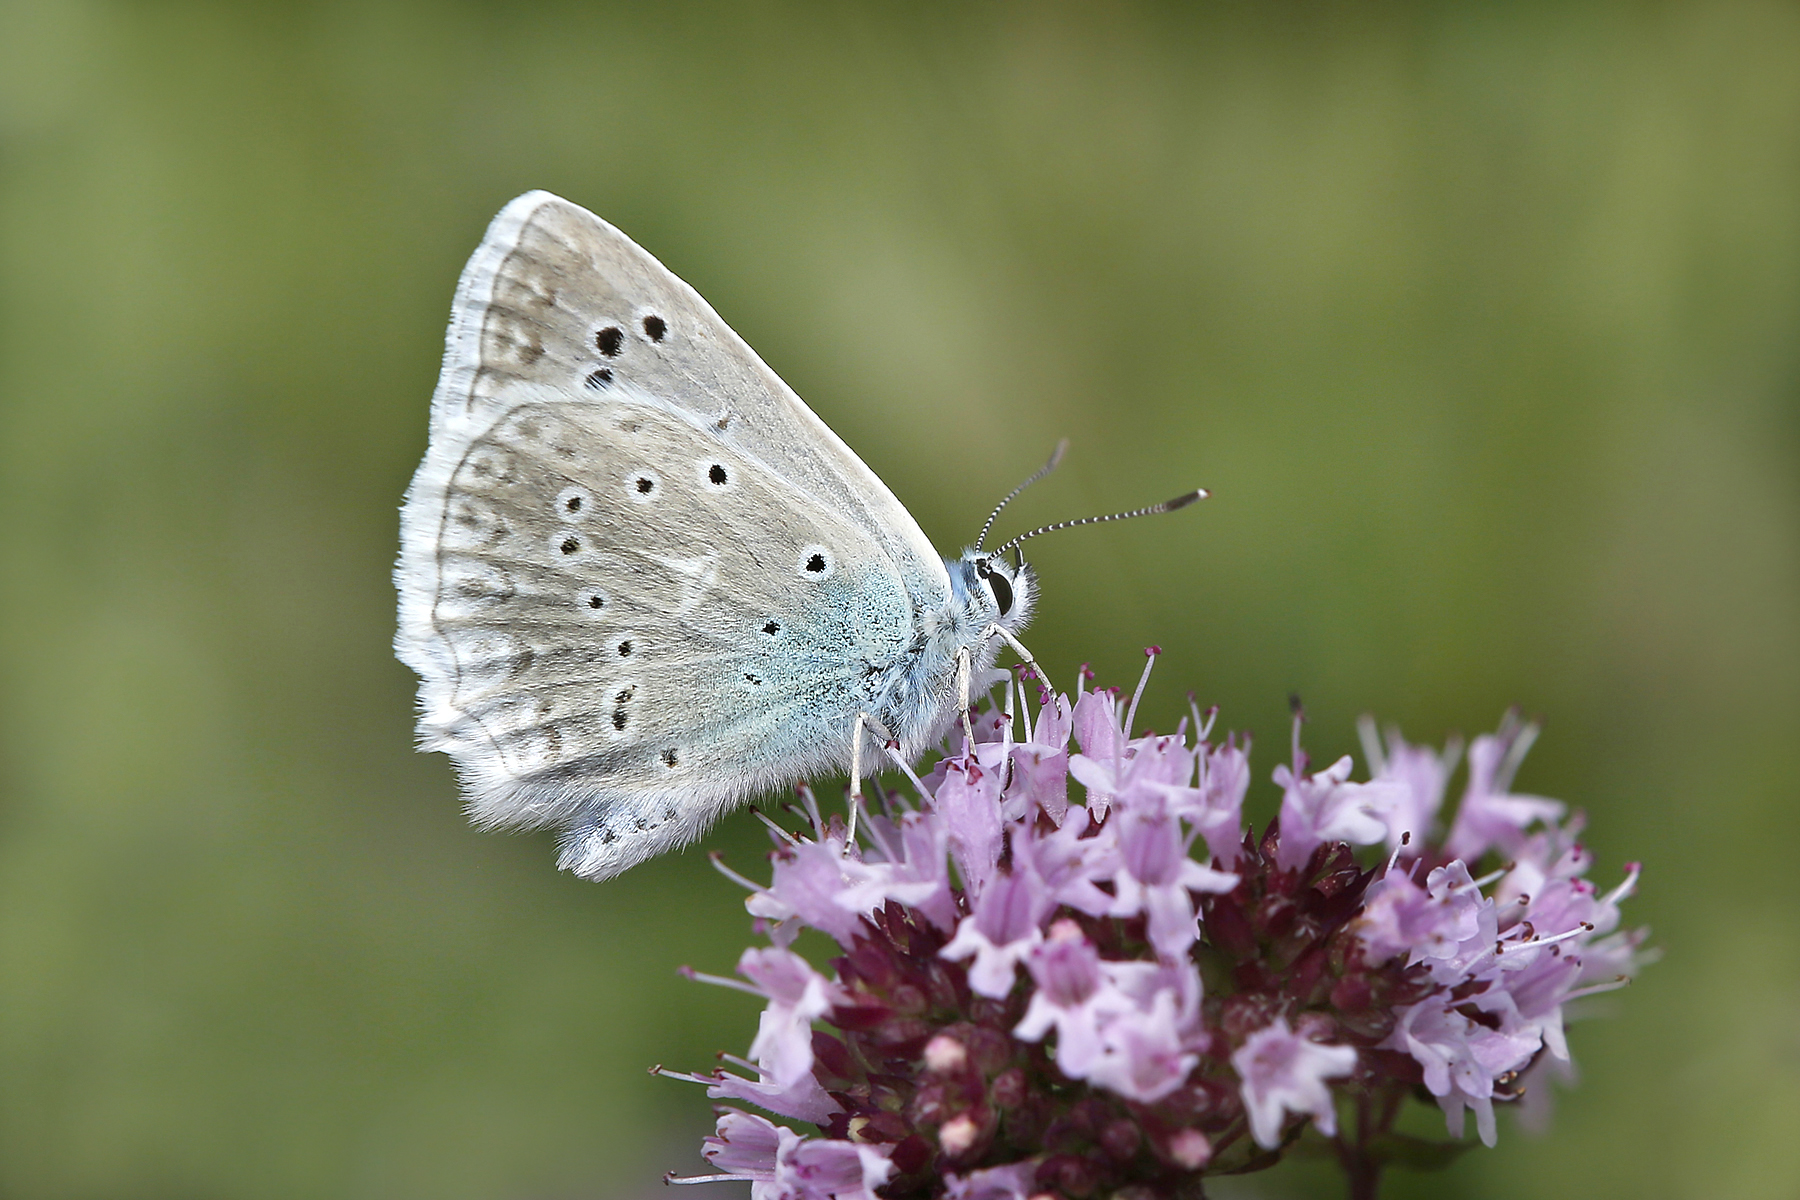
{"type": "Point", "coordinates": [918, 696]}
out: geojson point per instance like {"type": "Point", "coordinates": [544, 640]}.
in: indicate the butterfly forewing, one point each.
{"type": "Point", "coordinates": [576, 304]}
{"type": "Point", "coordinates": [639, 579]}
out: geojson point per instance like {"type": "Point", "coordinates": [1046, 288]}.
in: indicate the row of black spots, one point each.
{"type": "Point", "coordinates": [611, 340]}
{"type": "Point", "coordinates": [645, 485]}
{"type": "Point", "coordinates": [595, 601]}
{"type": "Point", "coordinates": [620, 717]}
{"type": "Point", "coordinates": [771, 629]}
{"type": "Point", "coordinates": [575, 503]}
{"type": "Point", "coordinates": [571, 504]}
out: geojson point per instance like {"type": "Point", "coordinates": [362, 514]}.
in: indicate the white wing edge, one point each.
{"type": "Point", "coordinates": [417, 642]}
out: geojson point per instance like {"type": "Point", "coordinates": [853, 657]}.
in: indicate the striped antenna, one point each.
{"type": "Point", "coordinates": [1055, 458]}
{"type": "Point", "coordinates": [1181, 501]}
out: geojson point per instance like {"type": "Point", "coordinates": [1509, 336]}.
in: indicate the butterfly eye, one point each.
{"type": "Point", "coordinates": [998, 585]}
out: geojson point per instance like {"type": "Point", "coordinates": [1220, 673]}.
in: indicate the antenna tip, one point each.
{"type": "Point", "coordinates": [1184, 500]}
{"type": "Point", "coordinates": [1062, 448]}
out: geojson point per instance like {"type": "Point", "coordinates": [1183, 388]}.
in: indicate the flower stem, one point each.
{"type": "Point", "coordinates": [1362, 1170]}
{"type": "Point", "coordinates": [1364, 1175]}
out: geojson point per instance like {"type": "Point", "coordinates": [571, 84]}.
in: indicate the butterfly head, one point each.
{"type": "Point", "coordinates": [996, 591]}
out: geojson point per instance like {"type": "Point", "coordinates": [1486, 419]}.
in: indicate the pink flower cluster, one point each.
{"type": "Point", "coordinates": [1043, 993]}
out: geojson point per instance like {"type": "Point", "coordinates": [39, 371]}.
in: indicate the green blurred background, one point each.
{"type": "Point", "coordinates": [1482, 321]}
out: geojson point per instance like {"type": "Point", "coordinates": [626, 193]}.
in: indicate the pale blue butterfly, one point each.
{"type": "Point", "coordinates": [640, 581]}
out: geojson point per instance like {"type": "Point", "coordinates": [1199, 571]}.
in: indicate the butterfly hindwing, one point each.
{"type": "Point", "coordinates": [624, 604]}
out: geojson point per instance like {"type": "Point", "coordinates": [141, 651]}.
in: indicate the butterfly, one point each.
{"type": "Point", "coordinates": [640, 581]}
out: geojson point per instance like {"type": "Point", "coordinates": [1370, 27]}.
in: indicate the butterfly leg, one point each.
{"type": "Point", "coordinates": [863, 721]}
{"type": "Point", "coordinates": [1019, 648]}
{"type": "Point", "coordinates": [964, 670]}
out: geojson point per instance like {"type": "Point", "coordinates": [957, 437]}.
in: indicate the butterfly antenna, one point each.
{"type": "Point", "coordinates": [1181, 501]}
{"type": "Point", "coordinates": [1055, 458]}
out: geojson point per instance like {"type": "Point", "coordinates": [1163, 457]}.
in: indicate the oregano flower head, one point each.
{"type": "Point", "coordinates": [1066, 968]}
